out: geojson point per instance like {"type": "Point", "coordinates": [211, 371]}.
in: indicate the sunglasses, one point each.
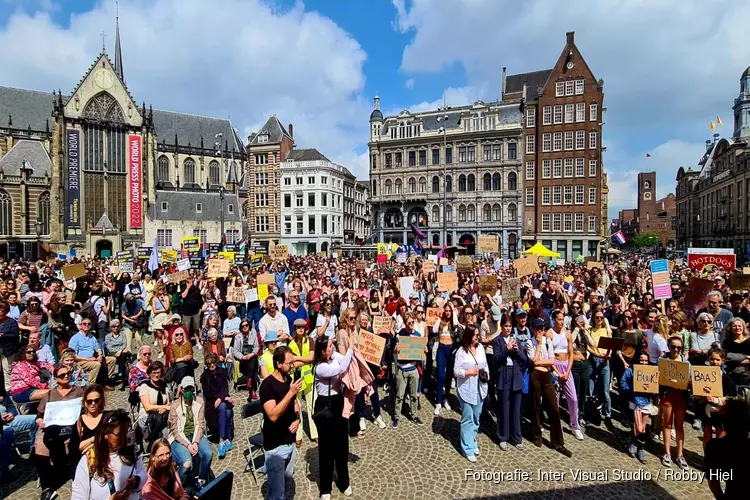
{"type": "Point", "coordinates": [675, 347]}
{"type": "Point", "coordinates": [707, 321]}
{"type": "Point", "coordinates": [86, 323]}
{"type": "Point", "coordinates": [63, 375]}
{"type": "Point", "coordinates": [95, 401]}
{"type": "Point", "coordinates": [145, 354]}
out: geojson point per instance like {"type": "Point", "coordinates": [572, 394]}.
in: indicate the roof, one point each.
{"type": "Point", "coordinates": [33, 152]}
{"type": "Point", "coordinates": [535, 82]}
{"type": "Point", "coordinates": [275, 131]}
{"type": "Point", "coordinates": [430, 121]}
{"type": "Point", "coordinates": [181, 206]}
{"type": "Point", "coordinates": [27, 108]}
{"type": "Point", "coordinates": [376, 115]}
{"type": "Point", "coordinates": [306, 155]}
{"type": "Point", "coordinates": [189, 130]}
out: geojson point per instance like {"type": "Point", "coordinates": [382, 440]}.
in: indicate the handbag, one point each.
{"type": "Point", "coordinates": [324, 414]}
{"type": "Point", "coordinates": [484, 376]}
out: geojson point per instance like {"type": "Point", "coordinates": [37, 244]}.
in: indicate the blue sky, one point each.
{"type": "Point", "coordinates": [317, 64]}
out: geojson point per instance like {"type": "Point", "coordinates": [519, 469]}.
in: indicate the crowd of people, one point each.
{"type": "Point", "coordinates": [293, 347]}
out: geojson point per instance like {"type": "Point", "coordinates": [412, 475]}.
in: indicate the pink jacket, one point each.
{"type": "Point", "coordinates": [25, 376]}
{"type": "Point", "coordinates": [357, 377]}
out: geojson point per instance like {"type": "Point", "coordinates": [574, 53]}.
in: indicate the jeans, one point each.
{"type": "Point", "coordinates": [253, 315]}
{"type": "Point", "coordinates": [182, 455]}
{"type": "Point", "coordinates": [225, 421]}
{"type": "Point", "coordinates": [406, 382]}
{"type": "Point", "coordinates": [581, 373]}
{"type": "Point", "coordinates": [470, 414]}
{"type": "Point", "coordinates": [443, 360]}
{"type": "Point", "coordinates": [20, 423]}
{"type": "Point", "coordinates": [508, 411]}
{"type": "Point", "coordinates": [600, 377]}
{"type": "Point", "coordinates": [279, 469]}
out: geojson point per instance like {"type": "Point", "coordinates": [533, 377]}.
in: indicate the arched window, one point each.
{"type": "Point", "coordinates": [422, 185]}
{"type": "Point", "coordinates": [471, 213]}
{"type": "Point", "coordinates": [435, 239]}
{"type": "Point", "coordinates": [486, 213]}
{"type": "Point", "coordinates": [418, 217]}
{"type": "Point", "coordinates": [213, 173]}
{"type": "Point", "coordinates": [497, 182]}
{"type": "Point", "coordinates": [162, 172]}
{"type": "Point", "coordinates": [448, 183]}
{"type": "Point", "coordinates": [6, 213]}
{"type": "Point", "coordinates": [512, 212]}
{"type": "Point", "coordinates": [399, 186]}
{"type": "Point", "coordinates": [435, 214]}
{"type": "Point", "coordinates": [487, 181]}
{"type": "Point", "coordinates": [43, 211]}
{"type": "Point", "coordinates": [462, 213]}
{"type": "Point", "coordinates": [449, 213]}
{"type": "Point", "coordinates": [512, 251]}
{"type": "Point", "coordinates": [412, 185]}
{"type": "Point", "coordinates": [512, 181]}
{"type": "Point", "coordinates": [471, 183]}
{"type": "Point", "coordinates": [497, 212]}
{"type": "Point", "coordinates": [388, 186]}
{"type": "Point", "coordinates": [436, 184]}
{"type": "Point", "coordinates": [374, 187]}
{"type": "Point", "coordinates": [461, 183]}
{"type": "Point", "coordinates": [189, 171]}
{"type": "Point", "coordinates": [394, 218]}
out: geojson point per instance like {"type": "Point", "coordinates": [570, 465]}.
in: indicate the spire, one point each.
{"type": "Point", "coordinates": [118, 48]}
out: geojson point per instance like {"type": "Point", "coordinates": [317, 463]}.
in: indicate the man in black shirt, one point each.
{"type": "Point", "coordinates": [281, 418]}
{"type": "Point", "coordinates": [192, 302]}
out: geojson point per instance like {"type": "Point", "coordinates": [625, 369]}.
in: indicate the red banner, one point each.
{"type": "Point", "coordinates": [134, 193]}
{"type": "Point", "coordinates": [698, 261]}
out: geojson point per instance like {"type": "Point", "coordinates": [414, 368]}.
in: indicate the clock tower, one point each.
{"type": "Point", "coordinates": [647, 209]}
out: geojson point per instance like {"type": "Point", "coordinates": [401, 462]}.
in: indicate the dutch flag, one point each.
{"type": "Point", "coordinates": [619, 237]}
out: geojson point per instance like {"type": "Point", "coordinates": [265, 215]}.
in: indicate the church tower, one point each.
{"type": "Point", "coordinates": [376, 120]}
{"type": "Point", "coordinates": [742, 107]}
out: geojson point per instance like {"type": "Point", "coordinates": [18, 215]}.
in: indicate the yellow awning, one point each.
{"type": "Point", "coordinates": [541, 251]}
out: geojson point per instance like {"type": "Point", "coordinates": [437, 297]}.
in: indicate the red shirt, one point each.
{"type": "Point", "coordinates": [313, 298]}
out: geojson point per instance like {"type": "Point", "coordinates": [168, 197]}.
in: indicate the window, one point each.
{"type": "Point", "coordinates": [593, 112]}
{"type": "Point", "coordinates": [449, 213]}
{"type": "Point", "coordinates": [324, 199]}
{"type": "Point", "coordinates": [471, 183]}
{"type": "Point", "coordinates": [568, 167]}
{"type": "Point", "coordinates": [471, 213]}
{"type": "Point", "coordinates": [201, 234]}
{"type": "Point", "coordinates": [422, 185]}
{"type": "Point", "coordinates": [557, 169]}
{"type": "Point", "coordinates": [6, 213]}
{"type": "Point", "coordinates": [569, 110]}
{"type": "Point", "coordinates": [556, 222]}
{"type": "Point", "coordinates": [579, 222]}
{"type": "Point", "coordinates": [568, 141]}
{"type": "Point", "coordinates": [487, 213]}
{"type": "Point", "coordinates": [311, 224]}
{"type": "Point", "coordinates": [435, 184]}
{"type": "Point", "coordinates": [412, 185]}
{"type": "Point", "coordinates": [300, 225]}
{"type": "Point", "coordinates": [592, 195]}
{"type": "Point", "coordinates": [557, 195]}
{"type": "Point", "coordinates": [299, 181]}
{"type": "Point", "coordinates": [512, 212]}
{"type": "Point", "coordinates": [497, 212]}
{"type": "Point", "coordinates": [462, 183]}
{"type": "Point", "coordinates": [388, 160]}
{"type": "Point", "coordinates": [399, 162]}
{"type": "Point", "coordinates": [559, 89]}
{"type": "Point", "coordinates": [324, 180]}
{"type": "Point", "coordinates": [189, 171]}
{"type": "Point", "coordinates": [230, 209]}
{"type": "Point", "coordinates": [262, 139]}
{"type": "Point", "coordinates": [449, 155]}
{"type": "Point", "coordinates": [287, 180]}
{"type": "Point", "coordinates": [569, 87]}
{"type": "Point", "coordinates": [497, 152]}
{"type": "Point", "coordinates": [547, 115]}
{"type": "Point", "coordinates": [388, 186]}
{"type": "Point", "coordinates": [580, 111]}
{"type": "Point", "coordinates": [487, 181]}
{"type": "Point", "coordinates": [412, 158]}
{"type": "Point", "coordinates": [435, 214]}
{"type": "Point", "coordinates": [546, 169]}
{"type": "Point", "coordinates": [423, 157]}
{"type": "Point", "coordinates": [530, 170]}
{"type": "Point", "coordinates": [213, 173]}
{"type": "Point", "coordinates": [512, 181]}
{"type": "Point", "coordinates": [486, 152]}
{"type": "Point", "coordinates": [592, 168]}
{"type": "Point", "coordinates": [287, 200]}
{"type": "Point", "coordinates": [557, 143]}
{"type": "Point", "coordinates": [261, 199]}
{"type": "Point", "coordinates": [448, 184]}
{"type": "Point", "coordinates": [511, 150]}
{"type": "Point", "coordinates": [568, 200]}
{"type": "Point", "coordinates": [579, 87]}
{"type": "Point", "coordinates": [164, 238]}
{"type": "Point", "coordinates": [261, 159]}
{"type": "Point", "coordinates": [579, 194]}
{"type": "Point", "coordinates": [287, 224]}
{"type": "Point", "coordinates": [233, 235]}
{"type": "Point", "coordinates": [530, 144]}
{"type": "Point", "coordinates": [162, 173]}
{"type": "Point", "coordinates": [311, 180]}
{"type": "Point", "coordinates": [567, 222]}
{"type": "Point", "coordinates": [462, 154]}
{"type": "Point", "coordinates": [546, 195]}
{"type": "Point", "coordinates": [592, 140]}
{"type": "Point", "coordinates": [398, 187]}
{"type": "Point", "coordinates": [43, 212]}
{"type": "Point", "coordinates": [299, 201]}
{"type": "Point", "coordinates": [546, 142]}
{"type": "Point", "coordinates": [580, 139]}
{"type": "Point", "coordinates": [435, 156]}
{"type": "Point", "coordinates": [592, 223]}
{"type": "Point", "coordinates": [164, 206]}
{"type": "Point", "coordinates": [558, 114]}
{"type": "Point", "coordinates": [462, 213]}
{"type": "Point", "coordinates": [545, 222]}
{"type": "Point", "coordinates": [579, 167]}
{"type": "Point", "coordinates": [497, 182]}
{"type": "Point", "coordinates": [529, 197]}
{"type": "Point", "coordinates": [530, 117]}
{"type": "Point", "coordinates": [311, 200]}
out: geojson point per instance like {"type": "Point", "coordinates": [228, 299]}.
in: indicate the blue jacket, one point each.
{"type": "Point", "coordinates": [626, 383]}
{"type": "Point", "coordinates": [508, 377]}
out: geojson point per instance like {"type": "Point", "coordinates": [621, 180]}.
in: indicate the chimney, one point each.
{"type": "Point", "coordinates": [570, 35]}
{"type": "Point", "coordinates": [505, 77]}
{"type": "Point", "coordinates": [291, 131]}
{"type": "Point", "coordinates": [524, 90]}
{"type": "Point", "coordinates": [708, 145]}
{"type": "Point", "coordinates": [716, 138]}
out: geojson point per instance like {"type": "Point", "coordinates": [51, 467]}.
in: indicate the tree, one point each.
{"type": "Point", "coordinates": [646, 239]}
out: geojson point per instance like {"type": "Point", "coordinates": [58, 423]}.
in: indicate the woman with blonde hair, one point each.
{"type": "Point", "coordinates": [159, 314]}
{"type": "Point", "coordinates": [163, 481]}
{"type": "Point", "coordinates": [657, 339]}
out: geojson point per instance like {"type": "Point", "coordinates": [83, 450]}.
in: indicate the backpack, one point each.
{"type": "Point", "coordinates": [88, 311]}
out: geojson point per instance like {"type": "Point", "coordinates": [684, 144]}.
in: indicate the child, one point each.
{"type": "Point", "coordinates": [641, 405]}
{"type": "Point", "coordinates": [711, 406]}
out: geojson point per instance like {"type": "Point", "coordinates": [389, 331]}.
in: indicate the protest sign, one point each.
{"type": "Point", "coordinates": [487, 284]}
{"type": "Point", "coordinates": [266, 279]}
{"type": "Point", "coordinates": [228, 256]}
{"type": "Point", "coordinates": [381, 324]}
{"type": "Point", "coordinates": [125, 267]}
{"type": "Point", "coordinates": [526, 265]}
{"type": "Point", "coordinates": [511, 290]}
{"type": "Point", "coordinates": [382, 258]}
{"type": "Point", "coordinates": [280, 252]}
{"type": "Point", "coordinates": [660, 279]}
{"type": "Point", "coordinates": [251, 295]}
{"type": "Point", "coordinates": [646, 379]}
{"type": "Point", "coordinates": [707, 381]}
{"type": "Point", "coordinates": [256, 260]}
{"type": "Point", "coordinates": [610, 344]}
{"type": "Point", "coordinates": [464, 264]}
{"type": "Point", "coordinates": [432, 315]}
{"type": "Point", "coordinates": [191, 243]}
{"type": "Point", "coordinates": [183, 264]}
{"type": "Point", "coordinates": [696, 294]}
{"type": "Point", "coordinates": [177, 277]}
{"type": "Point", "coordinates": [447, 282]}
{"type": "Point", "coordinates": [411, 348]}
{"type": "Point", "coordinates": [740, 281]}
{"type": "Point", "coordinates": [406, 285]}
{"type": "Point", "coordinates": [746, 270]}
{"type": "Point", "coordinates": [448, 269]}
{"type": "Point", "coordinates": [591, 264]}
{"type": "Point", "coordinates": [361, 264]}
{"type": "Point", "coordinates": [62, 412]}
{"type": "Point", "coordinates": [401, 257]}
{"type": "Point", "coordinates": [218, 268]}
{"type": "Point", "coordinates": [124, 256]}
{"type": "Point", "coordinates": [235, 294]}
{"type": "Point", "coordinates": [262, 291]}
{"type": "Point", "coordinates": [371, 347]}
{"type": "Point", "coordinates": [144, 253]}
{"type": "Point", "coordinates": [673, 373]}
{"type": "Point", "coordinates": [74, 271]}
{"type": "Point", "coordinates": [428, 267]}
{"type": "Point", "coordinates": [487, 243]}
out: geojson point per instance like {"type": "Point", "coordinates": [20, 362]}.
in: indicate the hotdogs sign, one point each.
{"type": "Point", "coordinates": [711, 258]}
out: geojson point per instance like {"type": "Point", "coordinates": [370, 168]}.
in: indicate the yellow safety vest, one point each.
{"type": "Point", "coordinates": [305, 370]}
{"type": "Point", "coordinates": [267, 356]}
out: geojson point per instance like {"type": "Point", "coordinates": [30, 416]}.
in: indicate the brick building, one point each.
{"type": "Point", "coordinates": [565, 192]}
{"type": "Point", "coordinates": [652, 215]}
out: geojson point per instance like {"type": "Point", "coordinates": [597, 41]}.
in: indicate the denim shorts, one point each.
{"type": "Point", "coordinates": [23, 397]}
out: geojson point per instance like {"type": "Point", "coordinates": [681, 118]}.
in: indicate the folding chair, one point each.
{"type": "Point", "coordinates": [255, 441]}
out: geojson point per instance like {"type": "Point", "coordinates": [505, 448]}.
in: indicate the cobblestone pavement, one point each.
{"type": "Point", "coordinates": [424, 462]}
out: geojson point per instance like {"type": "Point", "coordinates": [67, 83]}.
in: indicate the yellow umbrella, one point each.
{"type": "Point", "coordinates": [541, 251]}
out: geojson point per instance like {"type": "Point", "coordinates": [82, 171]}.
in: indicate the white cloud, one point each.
{"type": "Point", "coordinates": [244, 59]}
{"type": "Point", "coordinates": [459, 96]}
{"type": "Point", "coordinates": [409, 84]}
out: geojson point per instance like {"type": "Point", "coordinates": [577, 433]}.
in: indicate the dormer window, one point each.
{"type": "Point", "coordinates": [230, 209]}
{"type": "Point", "coordinates": [164, 206]}
{"type": "Point", "coordinates": [199, 208]}
{"type": "Point", "coordinates": [262, 138]}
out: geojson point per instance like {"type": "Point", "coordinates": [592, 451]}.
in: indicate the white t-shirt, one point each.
{"type": "Point", "coordinates": [330, 331]}
{"type": "Point", "coordinates": [87, 488]}
{"type": "Point", "coordinates": [657, 346]}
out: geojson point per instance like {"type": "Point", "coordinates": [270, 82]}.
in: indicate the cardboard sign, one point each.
{"type": "Point", "coordinates": [526, 265]}
{"type": "Point", "coordinates": [432, 315]}
{"type": "Point", "coordinates": [487, 243]}
{"type": "Point", "coordinates": [361, 264]}
{"type": "Point", "coordinates": [381, 324]}
{"type": "Point", "coordinates": [74, 271]}
{"type": "Point", "coordinates": [235, 294]}
{"type": "Point", "coordinates": [266, 279]}
{"type": "Point", "coordinates": [593, 265]}
{"type": "Point", "coordinates": [447, 282]}
{"type": "Point", "coordinates": [411, 348]}
{"type": "Point", "coordinates": [177, 277]}
{"type": "Point", "coordinates": [696, 295]}
{"type": "Point", "coordinates": [511, 290]}
{"type": "Point", "coordinates": [610, 344]}
{"type": "Point", "coordinates": [443, 261]}
{"type": "Point", "coordinates": [746, 270]}
{"type": "Point", "coordinates": [740, 281]}
{"type": "Point", "coordinates": [280, 252]}
{"type": "Point", "coordinates": [218, 268]}
{"type": "Point", "coordinates": [646, 379]}
{"type": "Point", "coordinates": [671, 265]}
{"type": "Point", "coordinates": [428, 267]}
{"type": "Point", "coordinates": [371, 347]}
{"type": "Point", "coordinates": [487, 284]}
{"type": "Point", "coordinates": [464, 264]}
{"type": "Point", "coordinates": [183, 264]}
{"type": "Point", "coordinates": [406, 285]}
{"type": "Point", "coordinates": [707, 381]}
{"type": "Point", "coordinates": [673, 373]}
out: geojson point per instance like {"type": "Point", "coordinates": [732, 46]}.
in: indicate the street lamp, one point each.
{"type": "Point", "coordinates": [221, 197]}
{"type": "Point", "coordinates": [443, 131]}
{"type": "Point", "coordinates": [39, 226]}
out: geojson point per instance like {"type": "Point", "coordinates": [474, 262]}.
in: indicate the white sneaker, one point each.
{"type": "Point", "coordinates": [437, 410]}
{"type": "Point", "coordinates": [471, 458]}
{"type": "Point", "coordinates": [578, 434]}
{"type": "Point", "coordinates": [327, 496]}
{"type": "Point", "coordinates": [697, 424]}
{"type": "Point", "coordinates": [349, 492]}
{"type": "Point", "coordinates": [362, 424]}
{"type": "Point", "coordinates": [379, 422]}
{"type": "Point", "coordinates": [446, 405]}
{"type": "Point", "coordinates": [161, 355]}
